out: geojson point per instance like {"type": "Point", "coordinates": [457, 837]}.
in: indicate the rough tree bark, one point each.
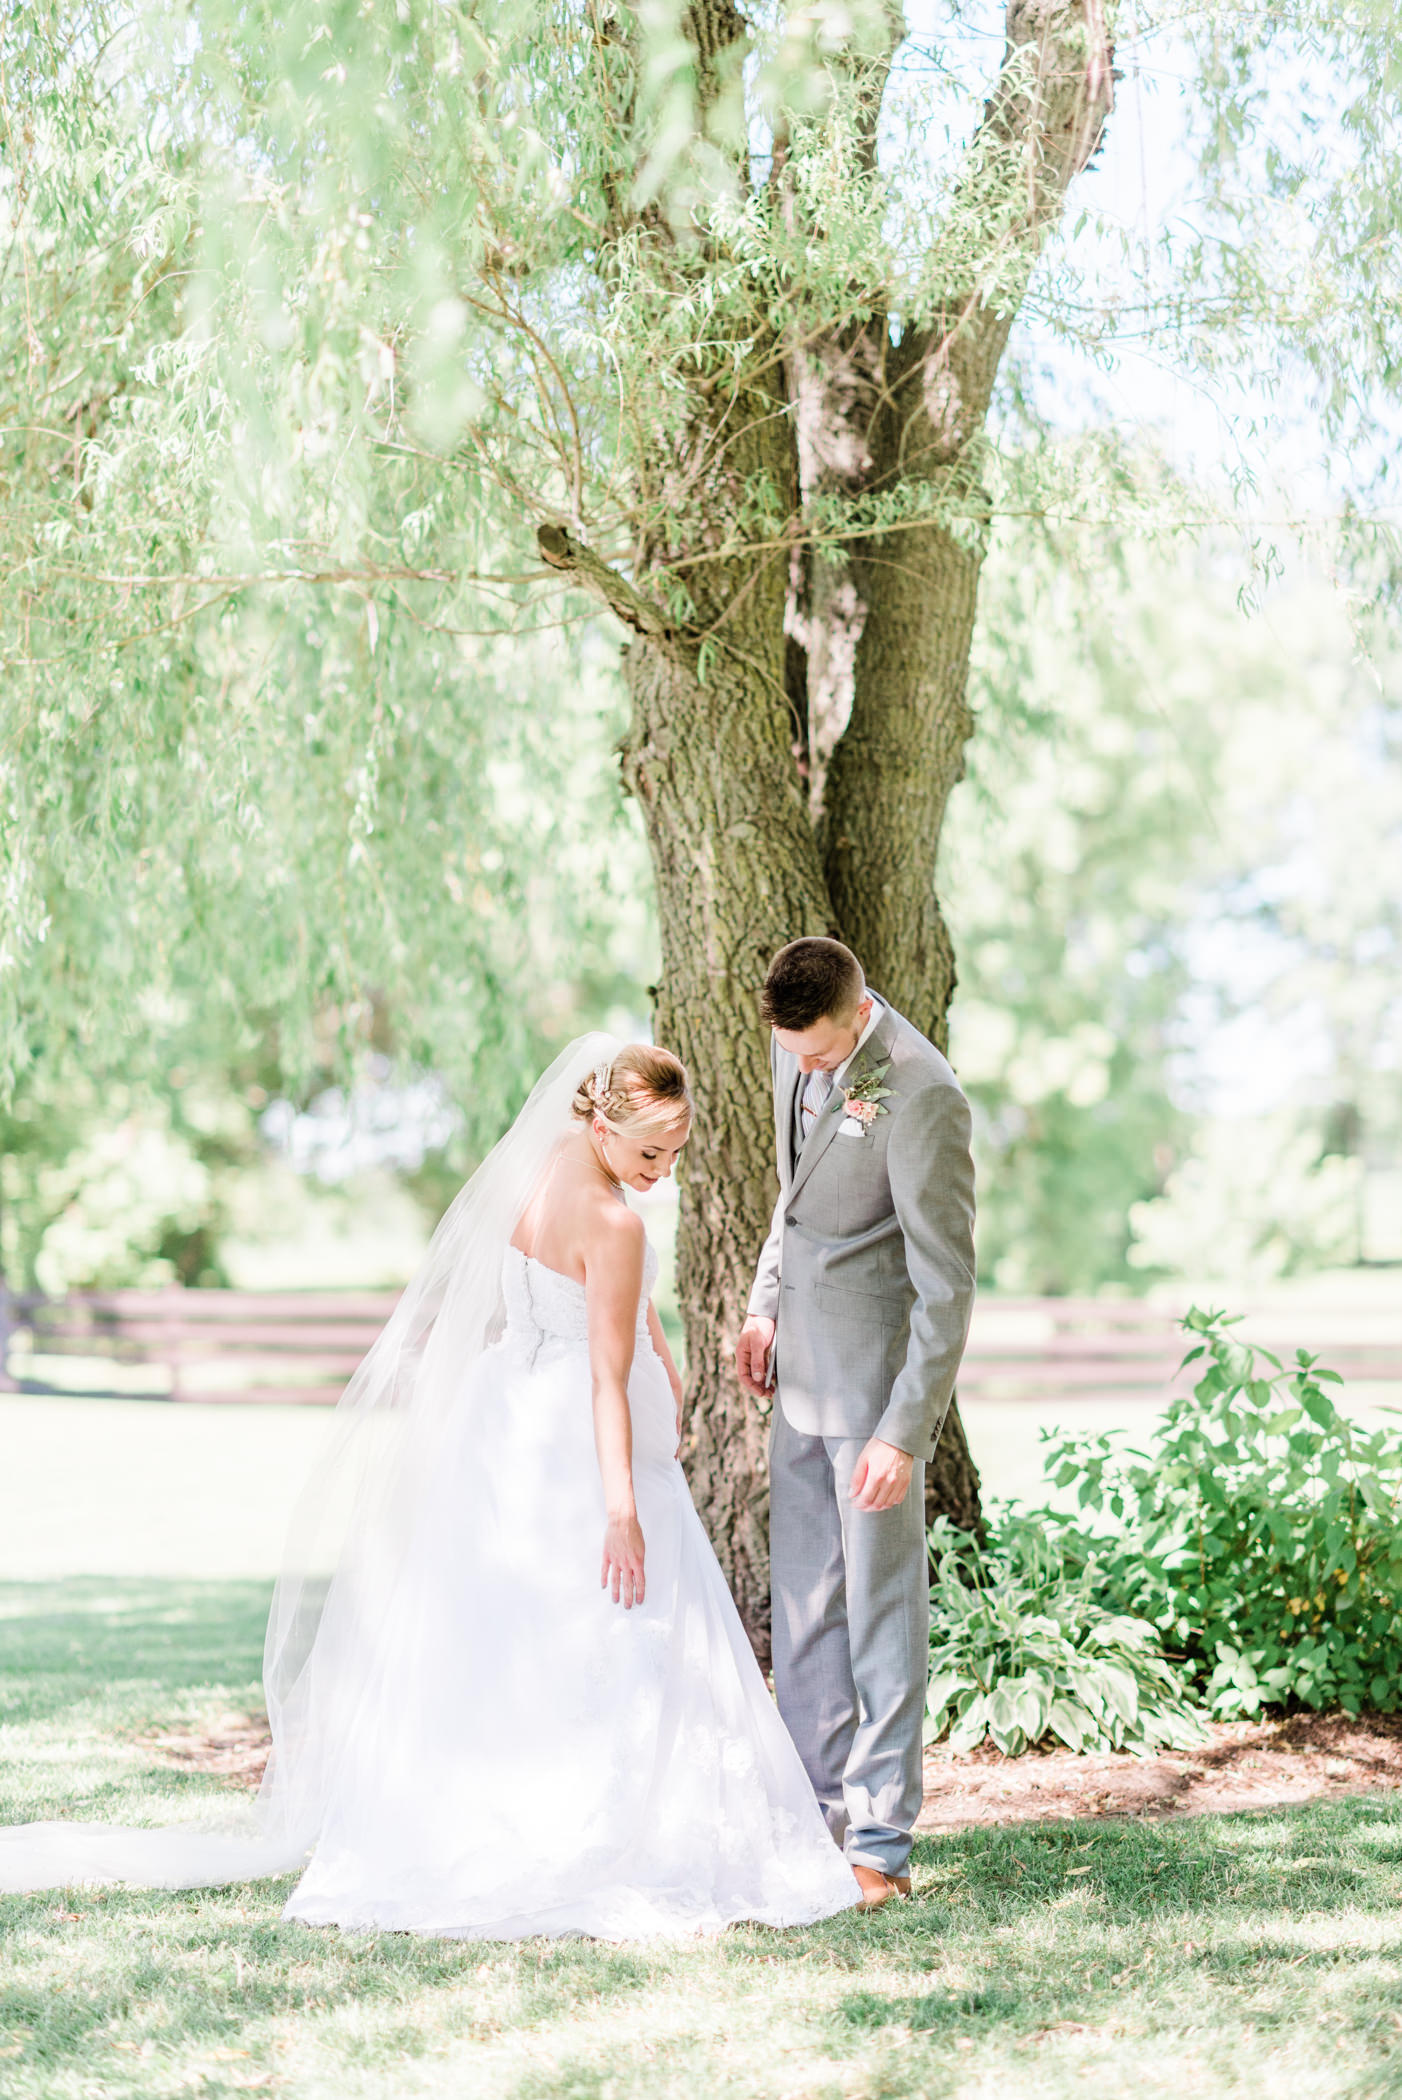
{"type": "Point", "coordinates": [793, 748]}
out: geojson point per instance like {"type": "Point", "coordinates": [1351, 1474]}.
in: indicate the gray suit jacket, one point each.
{"type": "Point", "coordinates": [869, 1265]}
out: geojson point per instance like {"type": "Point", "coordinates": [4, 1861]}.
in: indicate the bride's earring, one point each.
{"type": "Point", "coordinates": [616, 1179]}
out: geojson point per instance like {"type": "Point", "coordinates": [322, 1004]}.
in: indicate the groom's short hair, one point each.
{"type": "Point", "coordinates": [809, 981]}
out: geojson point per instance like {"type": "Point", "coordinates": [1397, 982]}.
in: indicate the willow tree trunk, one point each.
{"type": "Point", "coordinates": [737, 875]}
{"type": "Point", "coordinates": [794, 743]}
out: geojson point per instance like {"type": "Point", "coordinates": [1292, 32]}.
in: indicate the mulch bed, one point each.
{"type": "Point", "coordinates": [1243, 1764]}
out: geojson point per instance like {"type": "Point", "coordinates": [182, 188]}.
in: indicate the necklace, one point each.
{"type": "Point", "coordinates": [613, 1180]}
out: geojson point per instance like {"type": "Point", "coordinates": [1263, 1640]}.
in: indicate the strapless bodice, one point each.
{"type": "Point", "coordinates": [544, 1305]}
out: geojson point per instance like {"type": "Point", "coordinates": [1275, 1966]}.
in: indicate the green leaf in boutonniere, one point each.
{"type": "Point", "coordinates": [864, 1097]}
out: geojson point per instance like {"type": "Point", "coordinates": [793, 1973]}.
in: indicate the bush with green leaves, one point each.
{"type": "Point", "coordinates": [1022, 1649]}
{"type": "Point", "coordinates": [1260, 1533]}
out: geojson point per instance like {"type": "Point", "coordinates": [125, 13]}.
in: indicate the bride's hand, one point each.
{"type": "Point", "coordinates": [623, 1560]}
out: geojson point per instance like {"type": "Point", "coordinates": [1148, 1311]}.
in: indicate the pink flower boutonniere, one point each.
{"type": "Point", "coordinates": [865, 1097]}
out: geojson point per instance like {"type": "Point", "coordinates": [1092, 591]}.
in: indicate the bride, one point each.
{"type": "Point", "coordinates": [508, 1688]}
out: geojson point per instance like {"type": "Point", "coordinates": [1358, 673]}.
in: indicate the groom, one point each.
{"type": "Point", "coordinates": [856, 1324]}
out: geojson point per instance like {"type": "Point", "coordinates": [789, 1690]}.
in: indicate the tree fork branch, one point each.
{"type": "Point", "coordinates": [901, 751]}
{"type": "Point", "coordinates": [1042, 123]}
{"type": "Point", "coordinates": [561, 550]}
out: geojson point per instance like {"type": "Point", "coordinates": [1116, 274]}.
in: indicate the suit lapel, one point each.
{"type": "Point", "coordinates": [876, 1047]}
{"type": "Point", "coordinates": [817, 1141]}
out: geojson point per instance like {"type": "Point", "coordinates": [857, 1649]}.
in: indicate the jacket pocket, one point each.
{"type": "Point", "coordinates": [884, 1284]}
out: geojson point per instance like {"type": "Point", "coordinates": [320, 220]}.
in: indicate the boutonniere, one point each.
{"type": "Point", "coordinates": [864, 1097]}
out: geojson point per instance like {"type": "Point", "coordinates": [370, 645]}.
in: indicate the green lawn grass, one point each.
{"type": "Point", "coordinates": [1225, 1955]}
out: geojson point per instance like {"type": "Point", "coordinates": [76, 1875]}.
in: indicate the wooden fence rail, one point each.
{"type": "Point", "coordinates": [1022, 1348]}
{"type": "Point", "coordinates": [303, 1345]}
{"type": "Point", "coordinates": [205, 1345]}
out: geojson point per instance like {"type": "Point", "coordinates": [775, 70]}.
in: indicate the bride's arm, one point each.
{"type": "Point", "coordinates": [613, 1284]}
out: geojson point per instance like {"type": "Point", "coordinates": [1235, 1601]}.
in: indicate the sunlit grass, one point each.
{"type": "Point", "coordinates": [1224, 1955]}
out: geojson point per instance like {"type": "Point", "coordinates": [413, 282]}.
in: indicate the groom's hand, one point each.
{"type": "Point", "coordinates": [881, 1476]}
{"type": "Point", "coordinates": [752, 1355]}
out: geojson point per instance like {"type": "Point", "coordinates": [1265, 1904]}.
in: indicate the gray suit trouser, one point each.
{"type": "Point", "coordinates": [851, 1597]}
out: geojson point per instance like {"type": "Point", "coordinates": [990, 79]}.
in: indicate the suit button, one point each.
{"type": "Point", "coordinates": [791, 1221]}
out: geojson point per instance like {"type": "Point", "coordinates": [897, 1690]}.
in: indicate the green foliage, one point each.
{"type": "Point", "coordinates": [1251, 1558]}
{"type": "Point", "coordinates": [1091, 779]}
{"type": "Point", "coordinates": [1266, 104]}
{"type": "Point", "coordinates": [1174, 816]}
{"type": "Point", "coordinates": [1260, 1535]}
{"type": "Point", "coordinates": [314, 313]}
{"type": "Point", "coordinates": [267, 765]}
{"type": "Point", "coordinates": [112, 1189]}
{"type": "Point", "coordinates": [1023, 1650]}
{"type": "Point", "coordinates": [1260, 1196]}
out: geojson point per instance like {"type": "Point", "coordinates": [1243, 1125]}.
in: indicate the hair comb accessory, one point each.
{"type": "Point", "coordinates": [599, 1084]}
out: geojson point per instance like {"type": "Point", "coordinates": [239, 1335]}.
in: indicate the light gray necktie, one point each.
{"type": "Point", "coordinates": [815, 1096]}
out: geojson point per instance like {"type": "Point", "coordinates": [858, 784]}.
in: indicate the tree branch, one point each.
{"type": "Point", "coordinates": [1041, 125]}
{"type": "Point", "coordinates": [900, 752]}
{"type": "Point", "coordinates": [835, 378]}
{"type": "Point", "coordinates": [560, 550]}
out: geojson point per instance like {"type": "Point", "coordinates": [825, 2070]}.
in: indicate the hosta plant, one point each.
{"type": "Point", "coordinates": [1022, 1651]}
{"type": "Point", "coordinates": [1259, 1531]}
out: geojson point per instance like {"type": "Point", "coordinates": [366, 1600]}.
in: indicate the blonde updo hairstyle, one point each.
{"type": "Point", "coordinates": [641, 1092]}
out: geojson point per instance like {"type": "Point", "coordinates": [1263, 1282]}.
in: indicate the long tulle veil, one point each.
{"type": "Point", "coordinates": [333, 1604]}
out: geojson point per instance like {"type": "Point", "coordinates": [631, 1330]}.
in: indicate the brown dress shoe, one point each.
{"type": "Point", "coordinates": [878, 1888]}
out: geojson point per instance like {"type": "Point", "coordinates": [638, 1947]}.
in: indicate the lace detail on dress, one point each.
{"type": "Point", "coordinates": [543, 1306]}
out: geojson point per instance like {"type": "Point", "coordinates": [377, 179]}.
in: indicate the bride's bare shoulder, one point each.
{"type": "Point", "coordinates": [610, 1228]}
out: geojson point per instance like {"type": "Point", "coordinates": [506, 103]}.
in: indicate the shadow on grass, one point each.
{"type": "Point", "coordinates": [102, 1638]}
{"type": "Point", "coordinates": [936, 2009]}
{"type": "Point", "coordinates": [88, 1663]}
{"type": "Point", "coordinates": [1036, 1936]}
{"type": "Point", "coordinates": [188, 1974]}
{"type": "Point", "coordinates": [122, 1984]}
{"type": "Point", "coordinates": [1286, 1859]}
{"type": "Point", "coordinates": [1059, 1935]}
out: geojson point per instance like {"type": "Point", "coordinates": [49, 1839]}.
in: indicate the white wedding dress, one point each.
{"type": "Point", "coordinates": [470, 1738]}
{"type": "Point", "coordinates": [581, 1768]}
